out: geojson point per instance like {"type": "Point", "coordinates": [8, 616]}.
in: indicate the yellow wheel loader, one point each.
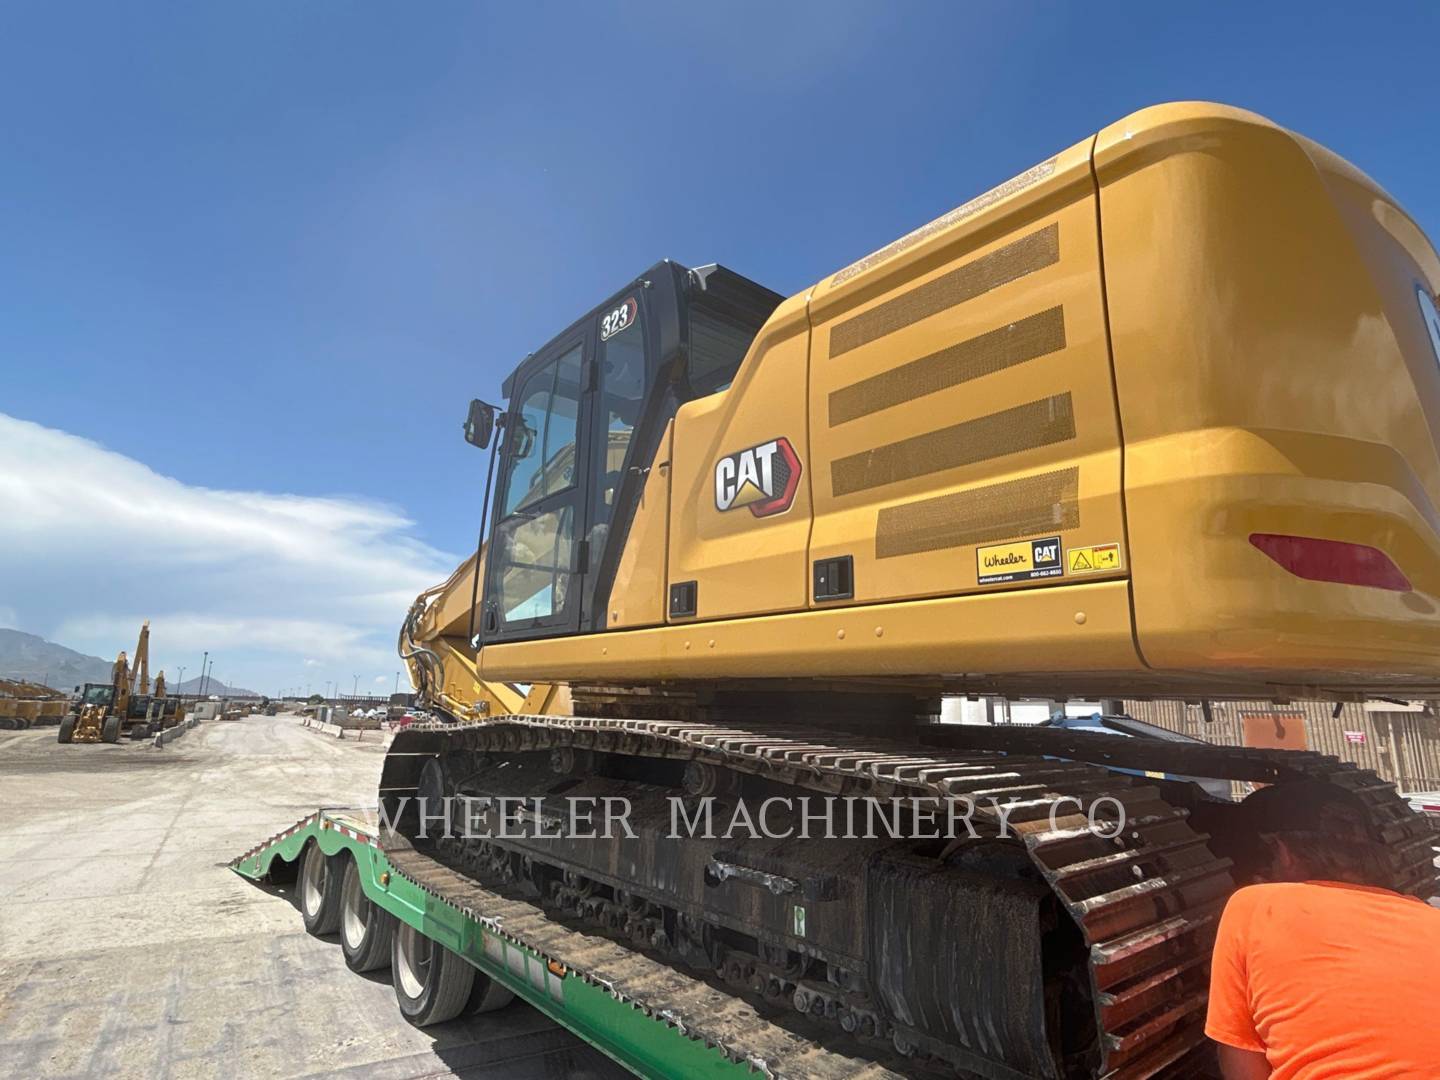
{"type": "Point", "coordinates": [1156, 418]}
{"type": "Point", "coordinates": [125, 705]}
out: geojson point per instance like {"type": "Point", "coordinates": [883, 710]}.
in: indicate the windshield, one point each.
{"type": "Point", "coordinates": [99, 695]}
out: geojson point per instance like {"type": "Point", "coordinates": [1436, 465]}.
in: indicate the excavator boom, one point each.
{"type": "Point", "coordinates": [140, 683]}
{"type": "Point", "coordinates": [443, 667]}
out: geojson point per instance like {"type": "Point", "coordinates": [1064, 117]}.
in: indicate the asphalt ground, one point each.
{"type": "Point", "coordinates": [129, 949]}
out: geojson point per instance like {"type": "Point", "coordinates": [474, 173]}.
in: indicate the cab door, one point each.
{"type": "Point", "coordinates": [535, 568]}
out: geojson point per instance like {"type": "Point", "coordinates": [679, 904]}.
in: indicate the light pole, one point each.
{"type": "Point", "coordinates": [200, 691]}
{"type": "Point", "coordinates": [397, 682]}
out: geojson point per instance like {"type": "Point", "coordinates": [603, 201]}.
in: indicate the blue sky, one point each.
{"type": "Point", "coordinates": [269, 250]}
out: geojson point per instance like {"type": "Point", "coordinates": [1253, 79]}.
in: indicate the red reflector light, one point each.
{"type": "Point", "coordinates": [1333, 560]}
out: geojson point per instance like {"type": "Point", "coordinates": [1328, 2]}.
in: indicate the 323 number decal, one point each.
{"type": "Point", "coordinates": [619, 319]}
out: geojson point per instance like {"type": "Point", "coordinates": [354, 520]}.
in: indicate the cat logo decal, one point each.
{"type": "Point", "coordinates": [764, 478]}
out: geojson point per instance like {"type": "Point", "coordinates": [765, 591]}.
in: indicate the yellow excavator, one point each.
{"type": "Point", "coordinates": [105, 711]}
{"type": "Point", "coordinates": [1158, 417]}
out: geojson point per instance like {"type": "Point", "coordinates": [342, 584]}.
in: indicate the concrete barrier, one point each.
{"type": "Point", "coordinates": [169, 735]}
{"type": "Point", "coordinates": [373, 735]}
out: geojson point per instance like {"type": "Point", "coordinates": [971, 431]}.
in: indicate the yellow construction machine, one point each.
{"type": "Point", "coordinates": [101, 709]}
{"type": "Point", "coordinates": [24, 704]}
{"type": "Point", "coordinates": [1156, 418]}
{"type": "Point", "coordinates": [105, 711]}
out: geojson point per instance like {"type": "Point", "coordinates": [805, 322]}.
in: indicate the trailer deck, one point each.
{"type": "Point", "coordinates": [656, 1021]}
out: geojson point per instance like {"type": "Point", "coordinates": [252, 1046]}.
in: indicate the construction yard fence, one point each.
{"type": "Point", "coordinates": [1399, 742]}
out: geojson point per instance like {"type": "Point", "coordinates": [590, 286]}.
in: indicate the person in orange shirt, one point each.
{"type": "Point", "coordinates": [1323, 972]}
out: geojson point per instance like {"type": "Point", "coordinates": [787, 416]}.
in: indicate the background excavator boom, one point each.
{"type": "Point", "coordinates": [140, 669]}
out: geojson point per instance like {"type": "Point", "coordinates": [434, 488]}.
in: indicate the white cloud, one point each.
{"type": "Point", "coordinates": [380, 679]}
{"type": "Point", "coordinates": [278, 587]}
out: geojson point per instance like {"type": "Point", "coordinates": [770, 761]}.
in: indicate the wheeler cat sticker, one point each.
{"type": "Point", "coordinates": [1023, 561]}
{"type": "Point", "coordinates": [763, 477]}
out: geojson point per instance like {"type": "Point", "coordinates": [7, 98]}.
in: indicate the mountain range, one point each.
{"type": "Point", "coordinates": [216, 687]}
{"type": "Point", "coordinates": [31, 658]}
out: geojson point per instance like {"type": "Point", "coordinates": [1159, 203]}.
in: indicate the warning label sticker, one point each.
{"type": "Point", "coordinates": [1093, 559]}
{"type": "Point", "coordinates": [1023, 561]}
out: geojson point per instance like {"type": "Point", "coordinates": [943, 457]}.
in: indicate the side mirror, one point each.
{"type": "Point", "coordinates": [480, 424]}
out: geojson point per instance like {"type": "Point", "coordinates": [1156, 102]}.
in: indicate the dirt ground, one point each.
{"type": "Point", "coordinates": [129, 949]}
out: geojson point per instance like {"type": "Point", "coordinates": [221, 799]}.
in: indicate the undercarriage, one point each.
{"type": "Point", "coordinates": [970, 901]}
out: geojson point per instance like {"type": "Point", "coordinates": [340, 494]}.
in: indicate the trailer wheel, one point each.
{"type": "Point", "coordinates": [432, 984]}
{"type": "Point", "coordinates": [487, 995]}
{"type": "Point", "coordinates": [67, 729]}
{"type": "Point", "coordinates": [320, 882]}
{"type": "Point", "coordinates": [365, 929]}
{"type": "Point", "coordinates": [110, 732]}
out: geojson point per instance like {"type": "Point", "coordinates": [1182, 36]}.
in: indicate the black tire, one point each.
{"type": "Point", "coordinates": [140, 731]}
{"type": "Point", "coordinates": [110, 731]}
{"type": "Point", "coordinates": [487, 995]}
{"type": "Point", "coordinates": [365, 930]}
{"type": "Point", "coordinates": [67, 728]}
{"type": "Point", "coordinates": [432, 984]}
{"type": "Point", "coordinates": [319, 889]}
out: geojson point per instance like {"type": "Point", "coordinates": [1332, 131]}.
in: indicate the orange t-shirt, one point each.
{"type": "Point", "coordinates": [1329, 980]}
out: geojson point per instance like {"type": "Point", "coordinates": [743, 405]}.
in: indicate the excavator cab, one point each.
{"type": "Point", "coordinates": [585, 415]}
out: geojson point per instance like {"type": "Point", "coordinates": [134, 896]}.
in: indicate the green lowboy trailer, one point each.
{"type": "Point", "coordinates": [455, 948]}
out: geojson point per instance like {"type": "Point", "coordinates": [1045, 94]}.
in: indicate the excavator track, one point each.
{"type": "Point", "coordinates": [698, 1009]}
{"type": "Point", "coordinates": [944, 971]}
